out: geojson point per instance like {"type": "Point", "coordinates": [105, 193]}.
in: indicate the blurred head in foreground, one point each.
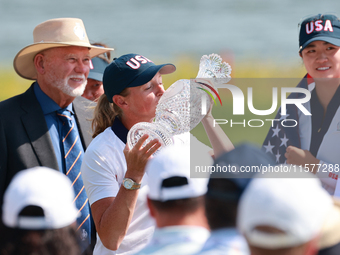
{"type": "Point", "coordinates": [39, 216]}
{"type": "Point", "coordinates": [224, 191]}
{"type": "Point", "coordinates": [279, 215]}
{"type": "Point", "coordinates": [171, 190]}
{"type": "Point", "coordinates": [226, 187]}
{"type": "Point", "coordinates": [176, 202]}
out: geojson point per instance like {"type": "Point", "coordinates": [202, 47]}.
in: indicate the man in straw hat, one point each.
{"type": "Point", "coordinates": [36, 127]}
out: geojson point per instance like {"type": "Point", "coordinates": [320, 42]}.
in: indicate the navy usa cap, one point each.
{"type": "Point", "coordinates": [246, 159]}
{"type": "Point", "coordinates": [321, 27]}
{"type": "Point", "coordinates": [131, 70]}
{"type": "Point", "coordinates": [99, 66]}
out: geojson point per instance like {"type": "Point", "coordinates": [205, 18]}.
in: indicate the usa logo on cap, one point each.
{"type": "Point", "coordinates": [136, 61]}
{"type": "Point", "coordinates": [321, 27]}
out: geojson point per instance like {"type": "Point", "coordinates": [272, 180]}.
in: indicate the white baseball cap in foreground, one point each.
{"type": "Point", "coordinates": [298, 207]}
{"type": "Point", "coordinates": [169, 175]}
{"type": "Point", "coordinates": [43, 187]}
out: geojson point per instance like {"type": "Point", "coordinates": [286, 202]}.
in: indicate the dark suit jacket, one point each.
{"type": "Point", "coordinates": [24, 138]}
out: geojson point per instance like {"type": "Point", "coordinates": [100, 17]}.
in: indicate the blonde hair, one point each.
{"type": "Point", "coordinates": [105, 113]}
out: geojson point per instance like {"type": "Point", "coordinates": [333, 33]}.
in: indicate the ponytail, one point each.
{"type": "Point", "coordinates": [105, 113]}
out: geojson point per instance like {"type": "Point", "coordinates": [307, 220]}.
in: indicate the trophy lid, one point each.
{"type": "Point", "coordinates": [212, 67]}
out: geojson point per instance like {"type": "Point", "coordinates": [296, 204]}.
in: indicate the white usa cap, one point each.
{"type": "Point", "coordinates": [298, 207]}
{"type": "Point", "coordinates": [169, 175]}
{"type": "Point", "coordinates": [42, 187]}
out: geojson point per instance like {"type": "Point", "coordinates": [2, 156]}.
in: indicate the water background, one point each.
{"type": "Point", "coordinates": [166, 30]}
{"type": "Point", "coordinates": [255, 33]}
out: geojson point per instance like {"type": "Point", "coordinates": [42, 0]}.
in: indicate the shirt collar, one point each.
{"type": "Point", "coordinates": [47, 104]}
{"type": "Point", "coordinates": [120, 130]}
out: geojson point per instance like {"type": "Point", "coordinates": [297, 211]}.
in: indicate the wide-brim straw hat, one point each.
{"type": "Point", "coordinates": [50, 34]}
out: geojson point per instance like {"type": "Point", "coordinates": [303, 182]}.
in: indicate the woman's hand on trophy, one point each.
{"type": "Point", "coordinates": [138, 156]}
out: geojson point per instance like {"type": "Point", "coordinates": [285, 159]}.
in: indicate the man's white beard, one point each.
{"type": "Point", "coordinates": [67, 89]}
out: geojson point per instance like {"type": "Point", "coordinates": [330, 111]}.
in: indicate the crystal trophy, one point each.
{"type": "Point", "coordinates": [180, 108]}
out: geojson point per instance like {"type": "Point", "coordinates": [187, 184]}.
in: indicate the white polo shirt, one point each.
{"type": "Point", "coordinates": [103, 170]}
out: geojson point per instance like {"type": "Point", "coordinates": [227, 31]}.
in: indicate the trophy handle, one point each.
{"type": "Point", "coordinates": [154, 130]}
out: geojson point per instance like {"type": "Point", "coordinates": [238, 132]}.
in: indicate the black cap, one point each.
{"type": "Point", "coordinates": [243, 158]}
{"type": "Point", "coordinates": [320, 28]}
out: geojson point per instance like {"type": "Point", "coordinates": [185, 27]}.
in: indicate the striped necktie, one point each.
{"type": "Point", "coordinates": [73, 155]}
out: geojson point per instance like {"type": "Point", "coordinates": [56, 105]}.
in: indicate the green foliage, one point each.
{"type": "Point", "coordinates": [11, 84]}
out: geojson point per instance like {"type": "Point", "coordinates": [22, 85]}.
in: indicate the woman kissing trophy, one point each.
{"type": "Point", "coordinates": [180, 108]}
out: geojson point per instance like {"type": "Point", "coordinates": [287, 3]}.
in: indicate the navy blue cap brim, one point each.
{"type": "Point", "coordinates": [150, 72]}
{"type": "Point", "coordinates": [245, 155]}
{"type": "Point", "coordinates": [332, 40]}
{"type": "Point", "coordinates": [95, 76]}
{"type": "Point", "coordinates": [122, 73]}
